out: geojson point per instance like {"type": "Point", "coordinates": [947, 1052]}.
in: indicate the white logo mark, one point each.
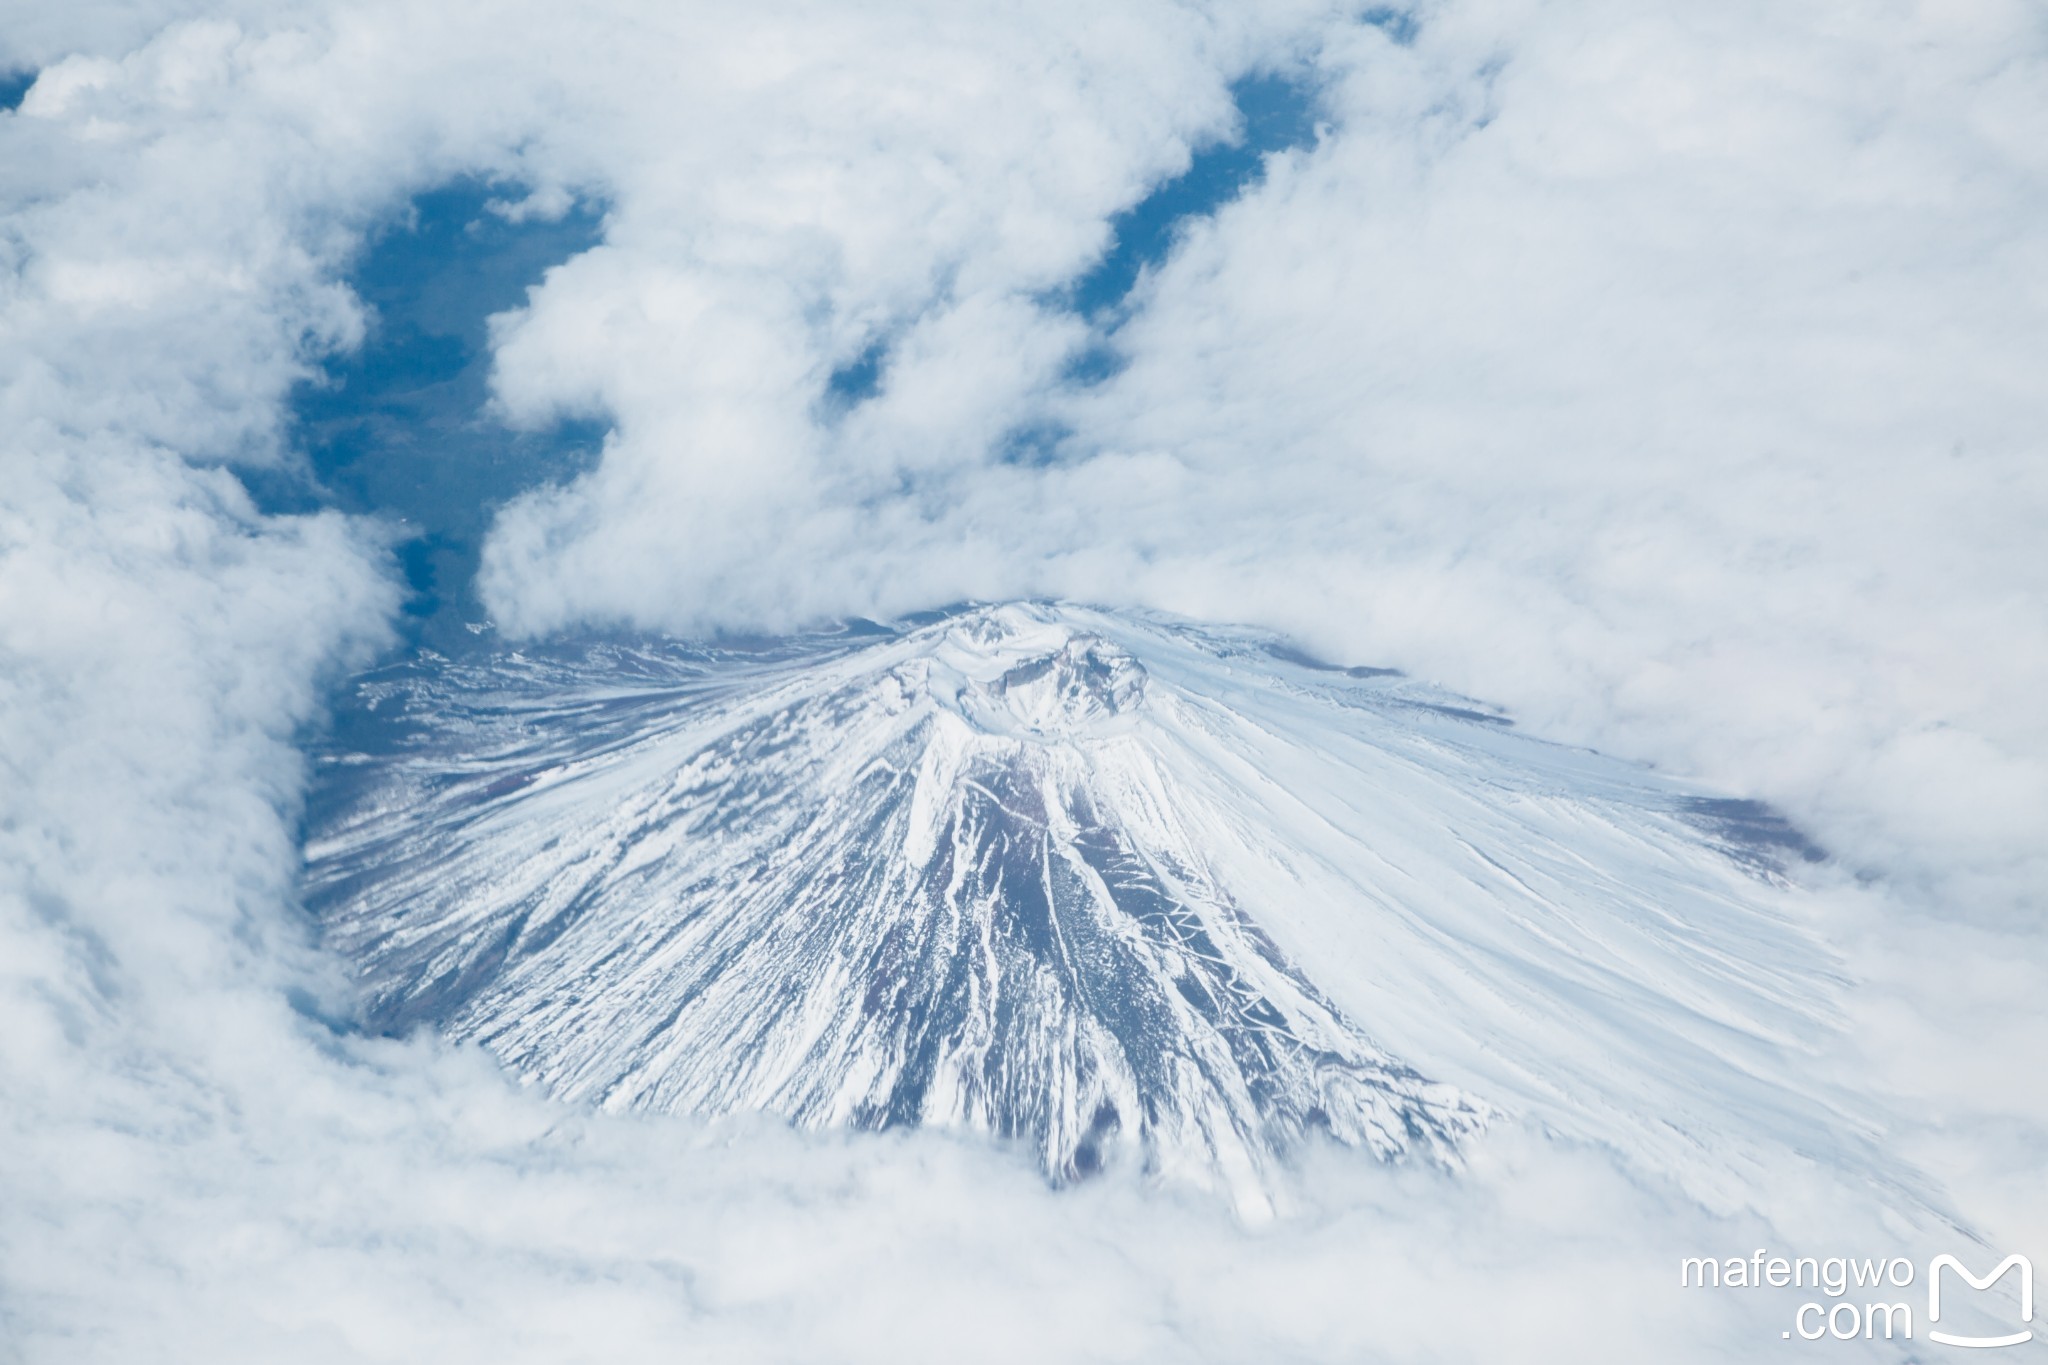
{"type": "Point", "coordinates": [2026, 1269]}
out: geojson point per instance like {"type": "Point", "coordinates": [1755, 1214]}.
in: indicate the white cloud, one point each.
{"type": "Point", "coordinates": [1668, 378]}
{"type": "Point", "coordinates": [1667, 374]}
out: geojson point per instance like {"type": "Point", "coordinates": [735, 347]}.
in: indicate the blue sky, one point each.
{"type": "Point", "coordinates": [401, 427]}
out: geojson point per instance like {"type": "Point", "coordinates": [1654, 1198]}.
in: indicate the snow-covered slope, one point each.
{"type": "Point", "coordinates": [1115, 886]}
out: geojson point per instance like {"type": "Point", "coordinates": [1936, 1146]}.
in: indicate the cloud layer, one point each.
{"type": "Point", "coordinates": [1668, 376]}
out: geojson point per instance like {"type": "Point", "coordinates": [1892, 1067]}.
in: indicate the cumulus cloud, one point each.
{"type": "Point", "coordinates": [1664, 374]}
{"type": "Point", "coordinates": [1681, 355]}
{"type": "Point", "coordinates": [1688, 357]}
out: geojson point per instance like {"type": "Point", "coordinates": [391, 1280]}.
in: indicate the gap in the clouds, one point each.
{"type": "Point", "coordinates": [1399, 25]}
{"type": "Point", "coordinates": [1275, 112]}
{"type": "Point", "coordinates": [858, 379]}
{"type": "Point", "coordinates": [14, 88]}
{"type": "Point", "coordinates": [402, 428]}
{"type": "Point", "coordinates": [1034, 443]}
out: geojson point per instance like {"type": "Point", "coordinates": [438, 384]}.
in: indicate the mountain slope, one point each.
{"type": "Point", "coordinates": [1115, 887]}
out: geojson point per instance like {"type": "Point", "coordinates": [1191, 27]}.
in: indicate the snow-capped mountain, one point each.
{"type": "Point", "coordinates": [1114, 886]}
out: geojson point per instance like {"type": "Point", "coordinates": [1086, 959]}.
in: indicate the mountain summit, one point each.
{"type": "Point", "coordinates": [1112, 886]}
